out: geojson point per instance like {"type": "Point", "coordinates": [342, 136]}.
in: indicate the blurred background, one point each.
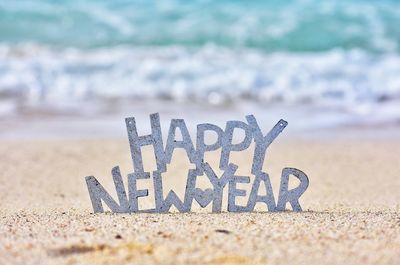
{"type": "Point", "coordinates": [79, 67]}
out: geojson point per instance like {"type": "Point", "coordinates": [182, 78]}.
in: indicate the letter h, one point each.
{"type": "Point", "coordinates": [136, 142]}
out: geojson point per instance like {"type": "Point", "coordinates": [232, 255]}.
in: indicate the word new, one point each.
{"type": "Point", "coordinates": [128, 201]}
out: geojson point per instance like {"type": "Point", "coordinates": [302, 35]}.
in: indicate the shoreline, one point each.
{"type": "Point", "coordinates": [305, 121]}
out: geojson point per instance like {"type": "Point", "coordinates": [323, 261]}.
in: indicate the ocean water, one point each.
{"type": "Point", "coordinates": [61, 55]}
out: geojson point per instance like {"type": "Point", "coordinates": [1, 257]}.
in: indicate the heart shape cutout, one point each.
{"type": "Point", "coordinates": [203, 197]}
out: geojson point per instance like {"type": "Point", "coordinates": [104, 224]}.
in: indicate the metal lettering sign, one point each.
{"type": "Point", "coordinates": [128, 199]}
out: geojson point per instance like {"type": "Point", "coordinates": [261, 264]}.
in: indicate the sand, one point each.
{"type": "Point", "coordinates": [351, 209]}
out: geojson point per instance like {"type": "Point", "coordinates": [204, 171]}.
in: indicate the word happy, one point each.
{"type": "Point", "coordinates": [128, 201]}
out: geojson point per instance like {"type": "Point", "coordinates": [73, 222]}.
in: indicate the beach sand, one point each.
{"type": "Point", "coordinates": [351, 208]}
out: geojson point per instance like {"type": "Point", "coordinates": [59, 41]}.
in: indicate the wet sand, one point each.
{"type": "Point", "coordinates": [351, 208]}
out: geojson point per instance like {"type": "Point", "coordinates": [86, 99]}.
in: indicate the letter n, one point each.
{"type": "Point", "coordinates": [97, 193]}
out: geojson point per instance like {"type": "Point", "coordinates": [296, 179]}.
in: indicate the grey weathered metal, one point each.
{"type": "Point", "coordinates": [214, 195]}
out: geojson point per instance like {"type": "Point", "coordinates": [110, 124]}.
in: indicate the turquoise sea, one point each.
{"type": "Point", "coordinates": [342, 55]}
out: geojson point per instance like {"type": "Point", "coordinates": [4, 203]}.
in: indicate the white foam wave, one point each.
{"type": "Point", "coordinates": [36, 76]}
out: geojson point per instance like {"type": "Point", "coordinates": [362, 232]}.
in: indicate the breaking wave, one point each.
{"type": "Point", "coordinates": [37, 76]}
